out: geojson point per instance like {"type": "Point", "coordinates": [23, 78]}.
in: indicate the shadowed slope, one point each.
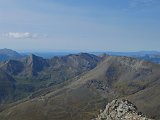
{"type": "Point", "coordinates": [82, 98]}
{"type": "Point", "coordinates": [33, 73]}
{"type": "Point", "coordinates": [7, 87]}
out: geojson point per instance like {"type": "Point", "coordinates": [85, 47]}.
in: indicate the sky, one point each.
{"type": "Point", "coordinates": [80, 25]}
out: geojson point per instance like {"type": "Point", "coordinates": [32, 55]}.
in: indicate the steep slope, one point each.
{"type": "Point", "coordinates": [12, 67]}
{"type": "Point", "coordinates": [83, 97]}
{"type": "Point", "coordinates": [7, 87]}
{"type": "Point", "coordinates": [33, 73]}
{"type": "Point", "coordinates": [28, 66]}
{"type": "Point", "coordinates": [33, 64]}
{"type": "Point", "coordinates": [6, 54]}
{"type": "Point", "coordinates": [69, 66]}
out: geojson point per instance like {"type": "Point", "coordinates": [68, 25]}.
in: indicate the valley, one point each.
{"type": "Point", "coordinates": [76, 86]}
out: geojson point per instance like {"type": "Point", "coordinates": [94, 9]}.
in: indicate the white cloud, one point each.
{"type": "Point", "coordinates": [140, 3]}
{"type": "Point", "coordinates": [20, 35]}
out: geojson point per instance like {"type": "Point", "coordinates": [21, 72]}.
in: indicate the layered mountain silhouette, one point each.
{"type": "Point", "coordinates": [6, 54]}
{"type": "Point", "coordinates": [76, 87]}
{"type": "Point", "coordinates": [33, 73]}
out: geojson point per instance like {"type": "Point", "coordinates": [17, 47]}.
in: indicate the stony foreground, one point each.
{"type": "Point", "coordinates": [120, 110]}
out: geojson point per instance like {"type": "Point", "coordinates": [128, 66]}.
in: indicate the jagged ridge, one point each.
{"type": "Point", "coordinates": [120, 110]}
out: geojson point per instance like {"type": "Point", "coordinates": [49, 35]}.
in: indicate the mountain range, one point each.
{"type": "Point", "coordinates": [151, 56]}
{"type": "Point", "coordinates": [76, 86]}
{"type": "Point", "coordinates": [6, 54]}
{"type": "Point", "coordinates": [32, 72]}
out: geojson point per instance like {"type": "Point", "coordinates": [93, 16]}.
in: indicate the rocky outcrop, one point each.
{"type": "Point", "coordinates": [120, 110]}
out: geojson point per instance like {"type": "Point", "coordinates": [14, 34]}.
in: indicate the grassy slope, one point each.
{"type": "Point", "coordinates": [7, 87]}
{"type": "Point", "coordinates": [148, 101]}
{"type": "Point", "coordinates": [82, 98]}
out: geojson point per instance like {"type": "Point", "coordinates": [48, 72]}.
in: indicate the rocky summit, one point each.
{"type": "Point", "coordinates": [120, 110]}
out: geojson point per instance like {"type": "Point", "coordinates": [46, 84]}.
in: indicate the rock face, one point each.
{"type": "Point", "coordinates": [120, 110]}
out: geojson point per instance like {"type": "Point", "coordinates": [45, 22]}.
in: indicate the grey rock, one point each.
{"type": "Point", "coordinates": [120, 110]}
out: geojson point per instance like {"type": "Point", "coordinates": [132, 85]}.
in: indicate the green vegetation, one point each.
{"type": "Point", "coordinates": [81, 97]}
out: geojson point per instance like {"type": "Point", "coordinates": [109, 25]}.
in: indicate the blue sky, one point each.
{"type": "Point", "coordinates": [82, 25]}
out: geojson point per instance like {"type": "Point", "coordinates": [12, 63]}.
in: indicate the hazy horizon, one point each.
{"type": "Point", "coordinates": [85, 25]}
{"type": "Point", "coordinates": [76, 51]}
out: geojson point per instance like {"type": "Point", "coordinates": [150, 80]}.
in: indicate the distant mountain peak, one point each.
{"type": "Point", "coordinates": [5, 51]}
{"type": "Point", "coordinates": [32, 57]}
{"type": "Point", "coordinates": [6, 54]}
{"type": "Point", "coordinates": [35, 64]}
